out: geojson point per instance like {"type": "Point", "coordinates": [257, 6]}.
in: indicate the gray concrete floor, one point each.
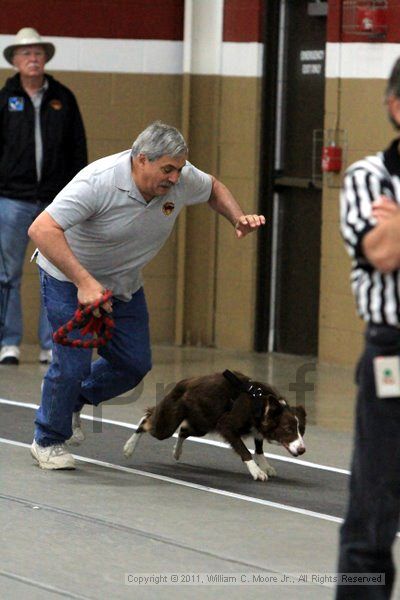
{"type": "Point", "coordinates": [78, 534]}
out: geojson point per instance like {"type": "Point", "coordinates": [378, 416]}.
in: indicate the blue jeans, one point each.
{"type": "Point", "coordinates": [72, 379]}
{"type": "Point", "coordinates": [15, 218]}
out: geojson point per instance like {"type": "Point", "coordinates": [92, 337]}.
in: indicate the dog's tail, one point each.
{"type": "Point", "coordinates": [168, 414]}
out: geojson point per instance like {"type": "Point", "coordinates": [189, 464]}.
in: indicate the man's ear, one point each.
{"type": "Point", "coordinates": [142, 159]}
{"type": "Point", "coordinates": [393, 103]}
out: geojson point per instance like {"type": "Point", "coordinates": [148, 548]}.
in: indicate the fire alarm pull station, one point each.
{"type": "Point", "coordinates": [331, 158]}
{"type": "Point", "coordinates": [372, 18]}
{"type": "Point", "coordinates": [368, 18]}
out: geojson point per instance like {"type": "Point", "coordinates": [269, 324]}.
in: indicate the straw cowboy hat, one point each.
{"type": "Point", "coordinates": [26, 37]}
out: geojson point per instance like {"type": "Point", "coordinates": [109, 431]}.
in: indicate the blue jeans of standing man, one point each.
{"type": "Point", "coordinates": [72, 379]}
{"type": "Point", "coordinates": [16, 217]}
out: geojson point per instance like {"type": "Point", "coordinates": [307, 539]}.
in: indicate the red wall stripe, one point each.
{"type": "Point", "coordinates": [123, 19]}
{"type": "Point", "coordinates": [334, 24]}
{"type": "Point", "coordinates": [243, 20]}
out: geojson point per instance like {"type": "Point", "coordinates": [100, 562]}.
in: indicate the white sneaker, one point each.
{"type": "Point", "coordinates": [9, 355]}
{"type": "Point", "coordinates": [52, 457]}
{"type": "Point", "coordinates": [78, 435]}
{"type": "Point", "coordinates": [45, 357]}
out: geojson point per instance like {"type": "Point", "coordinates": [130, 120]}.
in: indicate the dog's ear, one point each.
{"type": "Point", "coordinates": [301, 412]}
{"type": "Point", "coordinates": [272, 393]}
{"type": "Point", "coordinates": [273, 408]}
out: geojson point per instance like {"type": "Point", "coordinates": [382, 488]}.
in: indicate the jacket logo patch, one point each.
{"type": "Point", "coordinates": [56, 104]}
{"type": "Point", "coordinates": [16, 103]}
{"type": "Point", "coordinates": [168, 208]}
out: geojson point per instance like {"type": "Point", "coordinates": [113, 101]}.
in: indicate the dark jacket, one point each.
{"type": "Point", "coordinates": [63, 139]}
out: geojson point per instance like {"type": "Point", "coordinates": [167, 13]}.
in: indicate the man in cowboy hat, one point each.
{"type": "Point", "coordinates": [43, 145]}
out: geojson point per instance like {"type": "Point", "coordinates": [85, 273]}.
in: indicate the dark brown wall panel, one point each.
{"type": "Point", "coordinates": [126, 19]}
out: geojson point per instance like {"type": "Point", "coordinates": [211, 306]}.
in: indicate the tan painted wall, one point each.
{"type": "Point", "coordinates": [220, 270]}
{"type": "Point", "coordinates": [201, 224]}
{"type": "Point", "coordinates": [223, 133]}
{"type": "Point", "coordinates": [239, 169]}
{"type": "Point", "coordinates": [358, 104]}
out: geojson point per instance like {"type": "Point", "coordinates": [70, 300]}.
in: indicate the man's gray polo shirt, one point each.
{"type": "Point", "coordinates": [109, 226]}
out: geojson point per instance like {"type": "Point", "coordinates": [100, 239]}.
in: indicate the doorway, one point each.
{"type": "Point", "coordinates": [293, 108]}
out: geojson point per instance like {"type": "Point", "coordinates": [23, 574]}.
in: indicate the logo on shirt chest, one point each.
{"type": "Point", "coordinates": [16, 103]}
{"type": "Point", "coordinates": [55, 104]}
{"type": "Point", "coordinates": [168, 208]}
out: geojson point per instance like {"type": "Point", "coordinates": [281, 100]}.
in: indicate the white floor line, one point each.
{"type": "Point", "coordinates": [195, 486]}
{"type": "Point", "coordinates": [209, 442]}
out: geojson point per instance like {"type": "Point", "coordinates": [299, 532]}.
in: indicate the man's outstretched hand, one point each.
{"type": "Point", "coordinates": [248, 223]}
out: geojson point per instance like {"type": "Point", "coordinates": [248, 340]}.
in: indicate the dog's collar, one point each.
{"type": "Point", "coordinates": [249, 388]}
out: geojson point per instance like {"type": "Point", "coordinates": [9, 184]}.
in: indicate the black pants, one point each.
{"type": "Point", "coordinates": [372, 519]}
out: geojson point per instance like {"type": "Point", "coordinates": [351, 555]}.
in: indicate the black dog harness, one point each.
{"type": "Point", "coordinates": [255, 392]}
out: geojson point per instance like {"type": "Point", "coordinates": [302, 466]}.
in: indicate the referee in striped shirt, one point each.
{"type": "Point", "coordinates": [370, 225]}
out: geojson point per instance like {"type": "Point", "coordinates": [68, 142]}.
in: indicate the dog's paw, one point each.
{"type": "Point", "coordinates": [177, 452]}
{"type": "Point", "coordinates": [255, 471]}
{"type": "Point", "coordinates": [271, 472]}
{"type": "Point", "coordinates": [131, 444]}
{"type": "Point", "coordinates": [264, 465]}
{"type": "Point", "coordinates": [128, 449]}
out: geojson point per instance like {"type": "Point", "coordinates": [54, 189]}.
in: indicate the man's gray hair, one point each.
{"type": "Point", "coordinates": [393, 84]}
{"type": "Point", "coordinates": [159, 139]}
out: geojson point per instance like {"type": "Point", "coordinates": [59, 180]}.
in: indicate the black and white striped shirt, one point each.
{"type": "Point", "coordinates": [377, 294]}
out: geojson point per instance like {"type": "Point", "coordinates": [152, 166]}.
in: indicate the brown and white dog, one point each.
{"type": "Point", "coordinates": [232, 406]}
